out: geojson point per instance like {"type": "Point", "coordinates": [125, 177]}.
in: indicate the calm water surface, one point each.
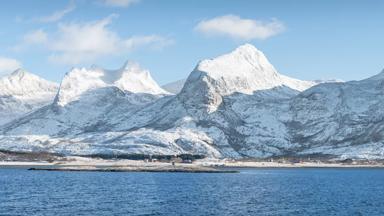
{"type": "Point", "coordinates": [250, 192]}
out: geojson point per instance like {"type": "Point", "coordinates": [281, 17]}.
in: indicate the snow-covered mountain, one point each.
{"type": "Point", "coordinates": [245, 70]}
{"type": "Point", "coordinates": [176, 86]}
{"type": "Point", "coordinates": [236, 105]}
{"type": "Point", "coordinates": [22, 92]}
{"type": "Point", "coordinates": [88, 99]}
{"type": "Point", "coordinates": [340, 118]}
{"type": "Point", "coordinates": [129, 78]}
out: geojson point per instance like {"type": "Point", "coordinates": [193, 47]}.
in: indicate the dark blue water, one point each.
{"type": "Point", "coordinates": [250, 192]}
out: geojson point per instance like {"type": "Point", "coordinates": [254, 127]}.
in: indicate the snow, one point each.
{"type": "Point", "coordinates": [245, 70]}
{"type": "Point", "coordinates": [136, 80]}
{"type": "Point", "coordinates": [22, 92]}
{"type": "Point", "coordinates": [130, 78]}
{"type": "Point", "coordinates": [234, 106]}
{"type": "Point", "coordinates": [23, 84]}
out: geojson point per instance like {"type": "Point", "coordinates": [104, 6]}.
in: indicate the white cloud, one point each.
{"type": "Point", "coordinates": [57, 15]}
{"type": "Point", "coordinates": [31, 38]}
{"type": "Point", "coordinates": [120, 3]}
{"type": "Point", "coordinates": [238, 28]}
{"type": "Point", "coordinates": [35, 37]}
{"type": "Point", "coordinates": [154, 41]}
{"type": "Point", "coordinates": [76, 43]}
{"type": "Point", "coordinates": [8, 65]}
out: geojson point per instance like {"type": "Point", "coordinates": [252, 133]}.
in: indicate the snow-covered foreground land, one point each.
{"type": "Point", "coordinates": [204, 165]}
{"type": "Point", "coordinates": [234, 106]}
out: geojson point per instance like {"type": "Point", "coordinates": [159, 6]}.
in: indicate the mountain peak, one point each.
{"type": "Point", "coordinates": [19, 74]}
{"type": "Point", "coordinates": [24, 84]}
{"type": "Point", "coordinates": [127, 65]}
{"type": "Point", "coordinates": [242, 62]}
{"type": "Point", "coordinates": [133, 67]}
{"type": "Point", "coordinates": [135, 79]}
{"type": "Point", "coordinates": [129, 78]}
{"type": "Point", "coordinates": [249, 52]}
{"type": "Point", "coordinates": [244, 70]}
{"type": "Point", "coordinates": [379, 76]}
{"type": "Point", "coordinates": [246, 48]}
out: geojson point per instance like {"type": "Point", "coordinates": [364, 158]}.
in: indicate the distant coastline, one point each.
{"type": "Point", "coordinates": [198, 166]}
{"type": "Point", "coordinates": [167, 163]}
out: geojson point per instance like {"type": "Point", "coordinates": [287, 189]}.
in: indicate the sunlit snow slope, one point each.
{"type": "Point", "coordinates": [236, 105]}
{"type": "Point", "coordinates": [22, 92]}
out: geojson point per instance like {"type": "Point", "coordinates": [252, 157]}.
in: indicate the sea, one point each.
{"type": "Point", "coordinates": [272, 191]}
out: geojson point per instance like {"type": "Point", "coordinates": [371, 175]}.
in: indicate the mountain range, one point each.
{"type": "Point", "coordinates": [233, 106]}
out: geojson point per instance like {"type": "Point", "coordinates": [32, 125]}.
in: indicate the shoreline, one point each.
{"type": "Point", "coordinates": [199, 166]}
{"type": "Point", "coordinates": [112, 166]}
{"type": "Point", "coordinates": [298, 165]}
{"type": "Point", "coordinates": [124, 169]}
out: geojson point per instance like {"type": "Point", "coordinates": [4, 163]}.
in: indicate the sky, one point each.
{"type": "Point", "coordinates": [305, 39]}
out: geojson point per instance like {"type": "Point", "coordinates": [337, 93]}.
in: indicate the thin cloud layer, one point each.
{"type": "Point", "coordinates": [35, 37]}
{"type": "Point", "coordinates": [154, 41]}
{"type": "Point", "coordinates": [8, 65]}
{"type": "Point", "coordinates": [38, 36]}
{"type": "Point", "coordinates": [120, 3]}
{"type": "Point", "coordinates": [238, 28]}
{"type": "Point", "coordinates": [57, 15]}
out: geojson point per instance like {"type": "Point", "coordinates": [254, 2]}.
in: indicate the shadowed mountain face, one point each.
{"type": "Point", "coordinates": [236, 105]}
{"type": "Point", "coordinates": [340, 118]}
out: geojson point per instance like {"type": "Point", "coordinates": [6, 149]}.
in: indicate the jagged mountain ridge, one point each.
{"type": "Point", "coordinates": [236, 105]}
{"type": "Point", "coordinates": [22, 92]}
{"type": "Point", "coordinates": [129, 78]}
{"type": "Point", "coordinates": [245, 70]}
{"type": "Point", "coordinates": [86, 99]}
{"type": "Point", "coordinates": [340, 118]}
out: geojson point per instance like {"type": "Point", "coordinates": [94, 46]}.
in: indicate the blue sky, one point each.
{"type": "Point", "coordinates": [304, 39]}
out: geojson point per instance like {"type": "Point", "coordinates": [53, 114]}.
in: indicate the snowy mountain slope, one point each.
{"type": "Point", "coordinates": [174, 87]}
{"type": "Point", "coordinates": [235, 105]}
{"type": "Point", "coordinates": [225, 129]}
{"type": "Point", "coordinates": [171, 124]}
{"type": "Point", "coordinates": [22, 92]}
{"type": "Point", "coordinates": [88, 99]}
{"type": "Point", "coordinates": [245, 70]}
{"type": "Point", "coordinates": [345, 118]}
{"type": "Point", "coordinates": [341, 119]}
{"type": "Point", "coordinates": [129, 78]}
